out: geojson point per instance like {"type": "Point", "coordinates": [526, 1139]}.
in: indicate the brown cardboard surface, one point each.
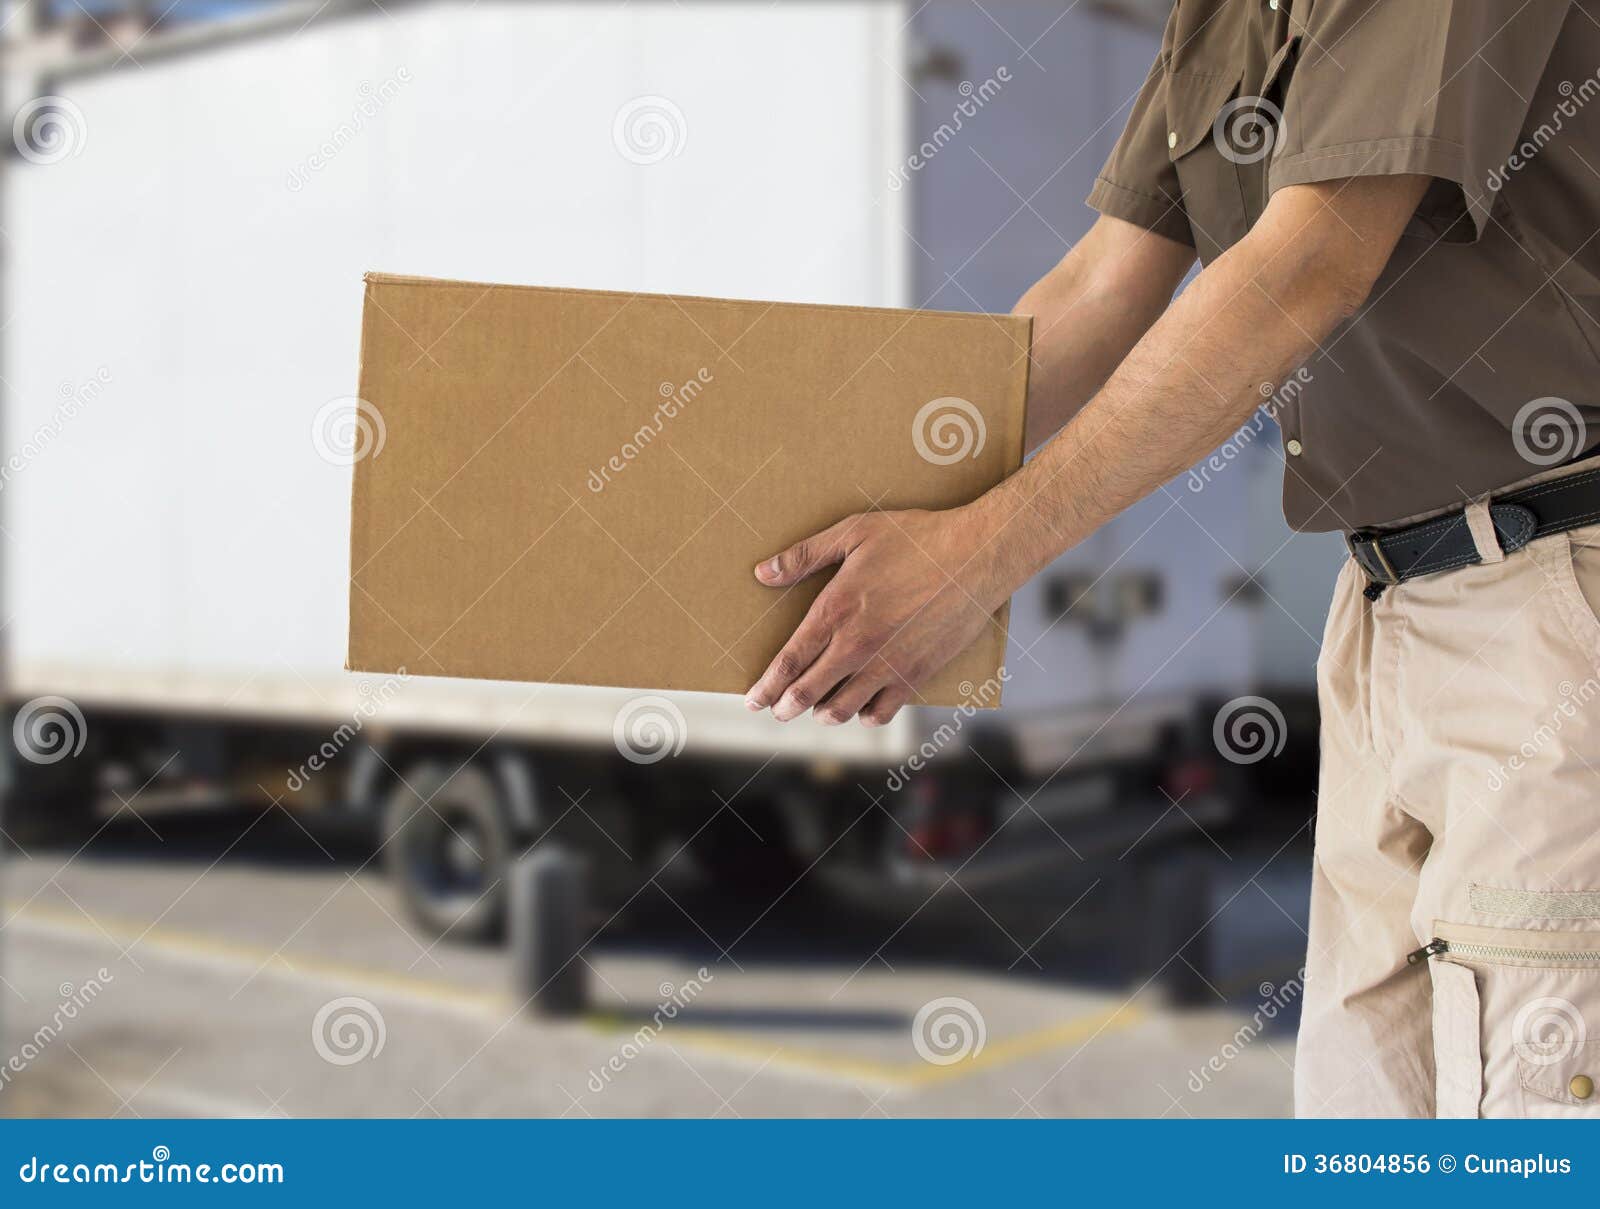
{"type": "Point", "coordinates": [574, 486]}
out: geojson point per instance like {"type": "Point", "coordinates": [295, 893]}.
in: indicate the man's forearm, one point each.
{"type": "Point", "coordinates": [1249, 319]}
{"type": "Point", "coordinates": [1089, 311]}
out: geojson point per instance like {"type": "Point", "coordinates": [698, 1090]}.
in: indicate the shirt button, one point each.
{"type": "Point", "coordinates": [1581, 1086]}
{"type": "Point", "coordinates": [1294, 447]}
{"type": "Point", "coordinates": [1273, 5]}
{"type": "Point", "coordinates": [1172, 138]}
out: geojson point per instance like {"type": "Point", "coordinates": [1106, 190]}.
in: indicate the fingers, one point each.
{"type": "Point", "coordinates": [811, 555]}
{"type": "Point", "coordinates": [791, 684]}
{"type": "Point", "coordinates": [851, 697]}
{"type": "Point", "coordinates": [798, 654]}
{"type": "Point", "coordinates": [842, 657]}
{"type": "Point", "coordinates": [825, 660]}
{"type": "Point", "coordinates": [883, 707]}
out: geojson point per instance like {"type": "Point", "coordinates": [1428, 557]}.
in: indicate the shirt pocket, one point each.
{"type": "Point", "coordinates": [1516, 1021]}
{"type": "Point", "coordinates": [1221, 141]}
{"type": "Point", "coordinates": [1208, 137]}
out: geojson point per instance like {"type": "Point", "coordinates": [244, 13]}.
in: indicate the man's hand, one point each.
{"type": "Point", "coordinates": [939, 585]}
{"type": "Point", "coordinates": [913, 589]}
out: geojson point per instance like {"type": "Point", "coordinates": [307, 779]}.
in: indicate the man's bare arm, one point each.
{"type": "Point", "coordinates": [1089, 311]}
{"type": "Point", "coordinates": [916, 587]}
{"type": "Point", "coordinates": [1252, 317]}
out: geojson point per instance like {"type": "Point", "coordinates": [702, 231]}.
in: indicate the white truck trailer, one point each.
{"type": "Point", "coordinates": [189, 226]}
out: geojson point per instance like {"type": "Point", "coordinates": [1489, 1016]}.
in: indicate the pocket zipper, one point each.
{"type": "Point", "coordinates": [1437, 946]}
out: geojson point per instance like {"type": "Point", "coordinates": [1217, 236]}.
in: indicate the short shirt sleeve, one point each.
{"type": "Point", "coordinates": [1139, 183]}
{"type": "Point", "coordinates": [1398, 87]}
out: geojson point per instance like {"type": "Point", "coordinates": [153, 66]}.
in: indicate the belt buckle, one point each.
{"type": "Point", "coordinates": [1361, 539]}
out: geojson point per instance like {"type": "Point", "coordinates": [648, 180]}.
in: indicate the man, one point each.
{"type": "Point", "coordinates": [1403, 198]}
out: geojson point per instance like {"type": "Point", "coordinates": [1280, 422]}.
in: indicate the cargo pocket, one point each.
{"type": "Point", "coordinates": [1513, 1016]}
{"type": "Point", "coordinates": [1571, 562]}
{"type": "Point", "coordinates": [1556, 1081]}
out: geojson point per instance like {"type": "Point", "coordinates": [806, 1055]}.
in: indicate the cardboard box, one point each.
{"type": "Point", "coordinates": [573, 486]}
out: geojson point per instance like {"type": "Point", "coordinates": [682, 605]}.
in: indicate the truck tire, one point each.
{"type": "Point", "coordinates": [549, 906]}
{"type": "Point", "coordinates": [447, 846]}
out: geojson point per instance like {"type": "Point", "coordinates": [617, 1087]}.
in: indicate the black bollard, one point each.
{"type": "Point", "coordinates": [549, 901]}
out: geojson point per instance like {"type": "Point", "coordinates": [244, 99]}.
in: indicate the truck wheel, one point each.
{"type": "Point", "coordinates": [446, 845]}
{"type": "Point", "coordinates": [549, 904]}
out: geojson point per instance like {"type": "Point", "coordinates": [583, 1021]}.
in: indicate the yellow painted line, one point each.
{"type": "Point", "coordinates": [193, 944]}
{"type": "Point", "coordinates": [1112, 1020]}
{"type": "Point", "coordinates": [908, 1075]}
{"type": "Point", "coordinates": [815, 1063]}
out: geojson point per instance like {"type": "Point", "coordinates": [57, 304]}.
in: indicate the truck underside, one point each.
{"type": "Point", "coordinates": [449, 818]}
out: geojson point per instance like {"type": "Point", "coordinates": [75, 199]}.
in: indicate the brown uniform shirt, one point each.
{"type": "Point", "coordinates": [1476, 360]}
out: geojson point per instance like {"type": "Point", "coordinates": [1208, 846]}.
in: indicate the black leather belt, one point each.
{"type": "Point", "coordinates": [1393, 556]}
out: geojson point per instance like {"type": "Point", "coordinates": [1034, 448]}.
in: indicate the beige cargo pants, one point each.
{"type": "Point", "coordinates": [1459, 811]}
